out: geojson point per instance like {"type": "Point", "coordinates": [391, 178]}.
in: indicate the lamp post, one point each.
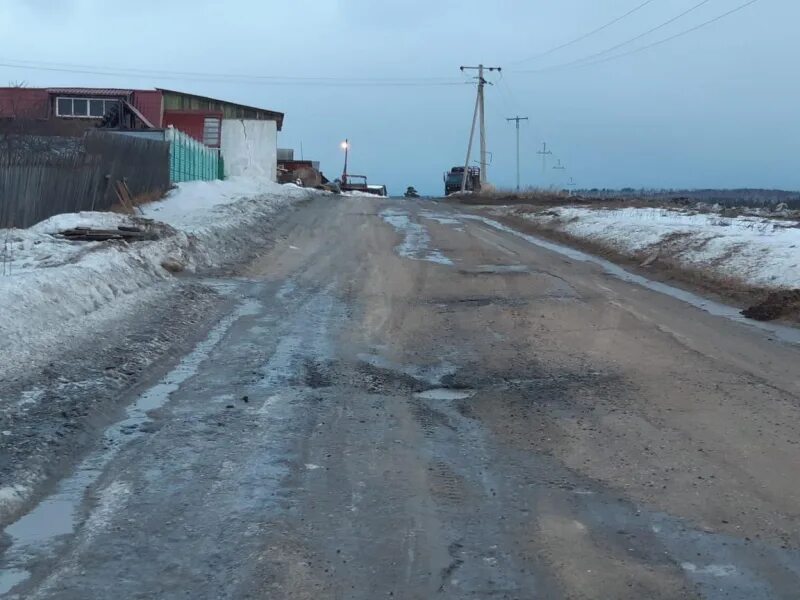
{"type": "Point", "coordinates": [346, 148]}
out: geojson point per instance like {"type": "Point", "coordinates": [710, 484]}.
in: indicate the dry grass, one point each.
{"type": "Point", "coordinates": [137, 201]}
{"type": "Point", "coordinates": [668, 270]}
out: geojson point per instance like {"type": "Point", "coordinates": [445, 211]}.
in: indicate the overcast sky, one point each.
{"type": "Point", "coordinates": [716, 108]}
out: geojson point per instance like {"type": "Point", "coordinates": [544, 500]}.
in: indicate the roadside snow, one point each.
{"type": "Point", "coordinates": [47, 283]}
{"type": "Point", "coordinates": [757, 251]}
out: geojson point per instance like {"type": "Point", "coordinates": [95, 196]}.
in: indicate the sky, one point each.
{"type": "Point", "coordinates": [718, 107]}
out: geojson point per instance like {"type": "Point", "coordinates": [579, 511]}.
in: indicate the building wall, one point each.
{"type": "Point", "coordinates": [174, 101]}
{"type": "Point", "coordinates": [150, 104]}
{"type": "Point", "coordinates": [250, 147]}
{"type": "Point", "coordinates": [190, 123]}
{"type": "Point", "coordinates": [24, 103]}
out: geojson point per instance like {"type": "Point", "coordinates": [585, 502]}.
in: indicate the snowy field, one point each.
{"type": "Point", "coordinates": [49, 285]}
{"type": "Point", "coordinates": [757, 251]}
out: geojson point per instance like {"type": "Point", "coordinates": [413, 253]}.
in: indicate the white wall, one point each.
{"type": "Point", "coordinates": [250, 147]}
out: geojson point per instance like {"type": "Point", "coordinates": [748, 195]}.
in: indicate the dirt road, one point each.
{"type": "Point", "coordinates": [403, 400]}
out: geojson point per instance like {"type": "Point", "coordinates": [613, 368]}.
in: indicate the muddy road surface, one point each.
{"type": "Point", "coordinates": [404, 400]}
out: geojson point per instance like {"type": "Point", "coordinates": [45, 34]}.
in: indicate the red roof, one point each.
{"type": "Point", "coordinates": [90, 91]}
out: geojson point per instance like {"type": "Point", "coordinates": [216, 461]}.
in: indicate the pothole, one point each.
{"type": "Point", "coordinates": [446, 394]}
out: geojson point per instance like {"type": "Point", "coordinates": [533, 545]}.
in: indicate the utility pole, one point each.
{"type": "Point", "coordinates": [517, 119]}
{"type": "Point", "coordinates": [544, 152]}
{"type": "Point", "coordinates": [479, 110]}
{"type": "Point", "coordinates": [559, 166]}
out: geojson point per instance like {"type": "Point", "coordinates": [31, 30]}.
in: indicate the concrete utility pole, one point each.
{"type": "Point", "coordinates": [559, 166]}
{"type": "Point", "coordinates": [544, 152]}
{"type": "Point", "coordinates": [479, 108]}
{"type": "Point", "coordinates": [517, 119]}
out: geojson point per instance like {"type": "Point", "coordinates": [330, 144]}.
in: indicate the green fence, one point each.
{"type": "Point", "coordinates": [190, 160]}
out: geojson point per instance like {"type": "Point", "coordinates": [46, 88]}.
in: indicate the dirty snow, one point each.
{"type": "Point", "coordinates": [755, 250]}
{"type": "Point", "coordinates": [47, 284]}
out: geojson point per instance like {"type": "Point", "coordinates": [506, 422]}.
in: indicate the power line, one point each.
{"type": "Point", "coordinates": [625, 43]}
{"type": "Point", "coordinates": [231, 78]}
{"type": "Point", "coordinates": [585, 35]}
{"type": "Point", "coordinates": [677, 35]}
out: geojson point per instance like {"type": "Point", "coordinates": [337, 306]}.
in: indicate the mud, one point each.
{"type": "Point", "coordinates": [775, 306]}
{"type": "Point", "coordinates": [365, 423]}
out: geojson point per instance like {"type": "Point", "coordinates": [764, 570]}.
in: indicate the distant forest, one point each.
{"type": "Point", "coordinates": [751, 197]}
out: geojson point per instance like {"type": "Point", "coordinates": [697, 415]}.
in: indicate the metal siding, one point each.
{"type": "Point", "coordinates": [24, 103]}
{"type": "Point", "coordinates": [189, 122]}
{"type": "Point", "coordinates": [178, 101]}
{"type": "Point", "coordinates": [149, 103]}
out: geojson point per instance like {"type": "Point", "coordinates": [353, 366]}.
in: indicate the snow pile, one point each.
{"type": "Point", "coordinates": [47, 284]}
{"type": "Point", "coordinates": [758, 251]}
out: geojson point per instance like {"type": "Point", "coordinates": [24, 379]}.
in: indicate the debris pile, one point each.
{"type": "Point", "coordinates": [128, 233]}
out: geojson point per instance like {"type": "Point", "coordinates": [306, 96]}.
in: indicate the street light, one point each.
{"type": "Point", "coordinates": [346, 147]}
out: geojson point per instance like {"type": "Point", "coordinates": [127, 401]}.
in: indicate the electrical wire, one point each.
{"type": "Point", "coordinates": [588, 62]}
{"type": "Point", "coordinates": [585, 35]}
{"type": "Point", "coordinates": [233, 78]}
{"type": "Point", "coordinates": [677, 35]}
{"type": "Point", "coordinates": [625, 43]}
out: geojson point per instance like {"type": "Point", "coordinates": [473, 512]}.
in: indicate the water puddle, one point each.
{"type": "Point", "coordinates": [9, 578]}
{"type": "Point", "coordinates": [415, 244]}
{"type": "Point", "coordinates": [782, 332]}
{"type": "Point", "coordinates": [56, 515]}
{"type": "Point", "coordinates": [445, 394]}
{"type": "Point", "coordinates": [499, 269]}
{"type": "Point", "coordinates": [431, 374]}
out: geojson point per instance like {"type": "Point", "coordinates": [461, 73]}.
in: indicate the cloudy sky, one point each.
{"type": "Point", "coordinates": [719, 107]}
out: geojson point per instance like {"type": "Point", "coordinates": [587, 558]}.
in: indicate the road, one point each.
{"type": "Point", "coordinates": [402, 400]}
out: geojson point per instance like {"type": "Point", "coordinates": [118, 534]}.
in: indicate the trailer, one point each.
{"type": "Point", "coordinates": [471, 180]}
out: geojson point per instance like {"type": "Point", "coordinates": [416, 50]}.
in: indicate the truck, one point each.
{"type": "Point", "coordinates": [452, 180]}
{"type": "Point", "coordinates": [358, 183]}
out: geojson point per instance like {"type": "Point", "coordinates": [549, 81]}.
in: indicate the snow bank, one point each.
{"type": "Point", "coordinates": [757, 251]}
{"type": "Point", "coordinates": [46, 283]}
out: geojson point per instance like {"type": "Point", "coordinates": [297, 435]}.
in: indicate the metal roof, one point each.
{"type": "Point", "coordinates": [90, 91]}
{"type": "Point", "coordinates": [276, 114]}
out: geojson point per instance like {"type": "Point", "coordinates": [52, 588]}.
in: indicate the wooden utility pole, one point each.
{"type": "Point", "coordinates": [517, 119]}
{"type": "Point", "coordinates": [479, 110]}
{"type": "Point", "coordinates": [544, 152]}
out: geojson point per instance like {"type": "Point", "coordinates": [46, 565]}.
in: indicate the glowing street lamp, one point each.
{"type": "Point", "coordinates": [346, 147]}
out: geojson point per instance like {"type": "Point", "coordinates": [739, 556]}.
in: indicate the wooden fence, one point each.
{"type": "Point", "coordinates": [36, 183]}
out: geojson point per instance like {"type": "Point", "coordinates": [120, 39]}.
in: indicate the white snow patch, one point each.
{"type": "Point", "coordinates": [11, 495]}
{"type": "Point", "coordinates": [714, 570]}
{"type": "Point", "coordinates": [49, 284]}
{"type": "Point", "coordinates": [755, 250]}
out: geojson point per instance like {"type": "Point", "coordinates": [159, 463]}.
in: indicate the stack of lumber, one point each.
{"type": "Point", "coordinates": [123, 232]}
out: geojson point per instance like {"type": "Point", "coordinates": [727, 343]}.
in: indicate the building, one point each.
{"type": "Point", "coordinates": [246, 136]}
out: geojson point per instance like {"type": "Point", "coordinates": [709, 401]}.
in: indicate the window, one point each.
{"type": "Point", "coordinates": [211, 127]}
{"type": "Point", "coordinates": [97, 108]}
{"type": "Point", "coordinates": [87, 108]}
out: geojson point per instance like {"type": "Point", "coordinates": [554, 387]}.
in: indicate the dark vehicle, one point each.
{"type": "Point", "coordinates": [411, 192]}
{"type": "Point", "coordinates": [360, 185]}
{"type": "Point", "coordinates": [453, 179]}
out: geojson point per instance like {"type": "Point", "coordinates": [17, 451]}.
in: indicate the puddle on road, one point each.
{"type": "Point", "coordinates": [499, 269]}
{"type": "Point", "coordinates": [9, 578]}
{"type": "Point", "coordinates": [446, 394]}
{"type": "Point", "coordinates": [55, 516]}
{"type": "Point", "coordinates": [431, 374]}
{"type": "Point", "coordinates": [415, 244]}
{"type": "Point", "coordinates": [782, 332]}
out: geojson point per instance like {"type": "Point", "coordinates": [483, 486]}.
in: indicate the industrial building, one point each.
{"type": "Point", "coordinates": [246, 136]}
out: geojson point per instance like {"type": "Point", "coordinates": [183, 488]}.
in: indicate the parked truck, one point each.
{"type": "Point", "coordinates": [453, 179]}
